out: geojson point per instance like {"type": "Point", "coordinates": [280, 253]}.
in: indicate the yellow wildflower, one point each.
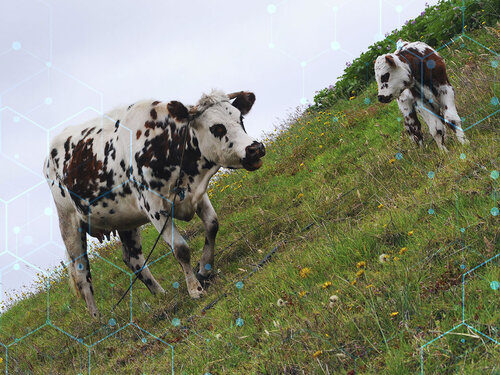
{"type": "Point", "coordinates": [369, 286]}
{"type": "Point", "coordinates": [361, 264]}
{"type": "Point", "coordinates": [317, 353]}
{"type": "Point", "coordinates": [326, 284]}
{"type": "Point", "coordinates": [354, 282]}
{"type": "Point", "coordinates": [302, 293]}
{"type": "Point", "coordinates": [393, 314]}
{"type": "Point", "coordinates": [320, 146]}
{"type": "Point", "coordinates": [391, 161]}
{"type": "Point", "coordinates": [300, 196]}
{"type": "Point", "coordinates": [410, 233]}
{"type": "Point", "coordinates": [396, 259]}
{"type": "Point", "coordinates": [301, 164]}
{"type": "Point", "coordinates": [304, 272]}
{"type": "Point", "coordinates": [360, 273]}
{"type": "Point", "coordinates": [380, 205]}
{"type": "Point", "coordinates": [352, 97]}
{"type": "Point", "coordinates": [403, 250]}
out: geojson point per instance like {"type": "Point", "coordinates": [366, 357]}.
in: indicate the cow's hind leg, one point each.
{"type": "Point", "coordinates": [74, 234]}
{"type": "Point", "coordinates": [134, 259]}
{"type": "Point", "coordinates": [436, 127]}
{"type": "Point", "coordinates": [446, 95]}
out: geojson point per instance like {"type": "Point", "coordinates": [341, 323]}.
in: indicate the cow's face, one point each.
{"type": "Point", "coordinates": [221, 134]}
{"type": "Point", "coordinates": [392, 76]}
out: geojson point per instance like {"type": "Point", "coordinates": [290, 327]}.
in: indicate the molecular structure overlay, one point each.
{"type": "Point", "coordinates": [63, 318]}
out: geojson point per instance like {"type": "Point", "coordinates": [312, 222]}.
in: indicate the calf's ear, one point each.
{"type": "Point", "coordinates": [178, 111]}
{"type": "Point", "coordinates": [243, 100]}
{"type": "Point", "coordinates": [390, 60]}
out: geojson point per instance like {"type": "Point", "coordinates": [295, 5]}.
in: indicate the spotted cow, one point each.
{"type": "Point", "coordinates": [105, 180]}
{"type": "Point", "coordinates": [415, 75]}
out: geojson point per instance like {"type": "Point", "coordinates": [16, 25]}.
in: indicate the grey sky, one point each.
{"type": "Point", "coordinates": [62, 62]}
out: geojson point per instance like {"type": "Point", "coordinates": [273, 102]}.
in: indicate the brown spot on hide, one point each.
{"type": "Point", "coordinates": [177, 110]}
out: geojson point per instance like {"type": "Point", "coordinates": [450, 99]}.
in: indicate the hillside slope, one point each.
{"type": "Point", "coordinates": [344, 206]}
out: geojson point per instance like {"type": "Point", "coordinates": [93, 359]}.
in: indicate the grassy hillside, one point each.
{"type": "Point", "coordinates": [368, 241]}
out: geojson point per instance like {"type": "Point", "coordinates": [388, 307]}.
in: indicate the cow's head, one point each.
{"type": "Point", "coordinates": [218, 125]}
{"type": "Point", "coordinates": [393, 77]}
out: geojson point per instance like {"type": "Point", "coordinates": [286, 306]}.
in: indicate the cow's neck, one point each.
{"type": "Point", "coordinates": [196, 170]}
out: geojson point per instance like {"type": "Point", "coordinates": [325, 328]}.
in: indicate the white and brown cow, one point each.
{"type": "Point", "coordinates": [101, 182]}
{"type": "Point", "coordinates": [415, 75]}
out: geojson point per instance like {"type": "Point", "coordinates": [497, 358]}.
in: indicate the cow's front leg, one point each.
{"type": "Point", "coordinates": [181, 252]}
{"type": "Point", "coordinates": [207, 214]}
{"type": "Point", "coordinates": [446, 97]}
{"type": "Point", "coordinates": [134, 259]}
{"type": "Point", "coordinates": [407, 103]}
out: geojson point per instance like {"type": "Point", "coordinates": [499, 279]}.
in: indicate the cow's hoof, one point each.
{"type": "Point", "coordinates": [197, 293]}
{"type": "Point", "coordinates": [205, 280]}
{"type": "Point", "coordinates": [94, 313]}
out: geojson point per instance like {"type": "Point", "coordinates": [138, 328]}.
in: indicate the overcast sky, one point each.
{"type": "Point", "coordinates": [62, 62]}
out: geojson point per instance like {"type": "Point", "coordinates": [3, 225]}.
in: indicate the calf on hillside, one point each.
{"type": "Point", "coordinates": [103, 181]}
{"type": "Point", "coordinates": [415, 75]}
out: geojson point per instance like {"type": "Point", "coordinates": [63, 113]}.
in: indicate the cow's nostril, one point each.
{"type": "Point", "coordinates": [255, 150]}
{"type": "Point", "coordinates": [262, 150]}
{"type": "Point", "coordinates": [384, 98]}
{"type": "Point", "coordinates": [251, 151]}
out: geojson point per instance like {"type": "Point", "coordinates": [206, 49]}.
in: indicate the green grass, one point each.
{"type": "Point", "coordinates": [335, 169]}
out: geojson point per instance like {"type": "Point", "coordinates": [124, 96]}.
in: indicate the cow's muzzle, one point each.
{"type": "Point", "coordinates": [384, 98]}
{"type": "Point", "coordinates": [253, 154]}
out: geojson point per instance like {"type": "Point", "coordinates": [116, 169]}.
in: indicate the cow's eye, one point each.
{"type": "Point", "coordinates": [385, 77]}
{"type": "Point", "coordinates": [218, 130]}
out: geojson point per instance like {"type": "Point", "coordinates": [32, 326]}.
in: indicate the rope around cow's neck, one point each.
{"type": "Point", "coordinates": [176, 192]}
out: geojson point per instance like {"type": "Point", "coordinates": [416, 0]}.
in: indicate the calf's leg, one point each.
{"type": "Point", "coordinates": [407, 103]}
{"type": "Point", "coordinates": [436, 127]}
{"type": "Point", "coordinates": [446, 96]}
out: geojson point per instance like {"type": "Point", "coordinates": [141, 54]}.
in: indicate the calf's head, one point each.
{"type": "Point", "coordinates": [393, 77]}
{"type": "Point", "coordinates": [218, 125]}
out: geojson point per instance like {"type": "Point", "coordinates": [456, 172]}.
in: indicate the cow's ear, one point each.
{"type": "Point", "coordinates": [243, 100]}
{"type": "Point", "coordinates": [178, 111]}
{"type": "Point", "coordinates": [390, 60]}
